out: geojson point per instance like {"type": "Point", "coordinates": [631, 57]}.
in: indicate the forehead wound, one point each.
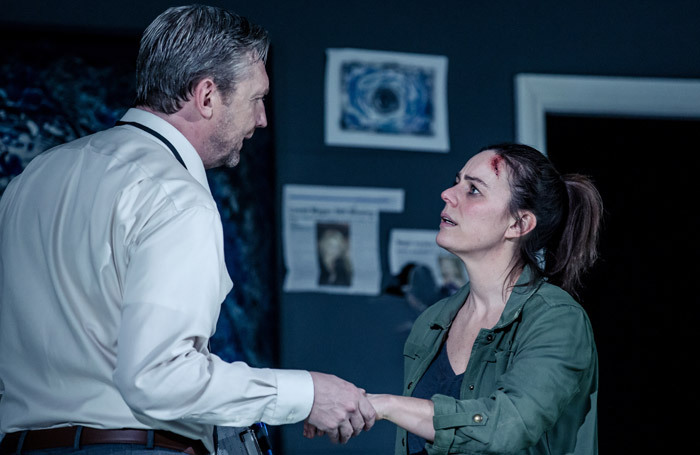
{"type": "Point", "coordinates": [496, 163]}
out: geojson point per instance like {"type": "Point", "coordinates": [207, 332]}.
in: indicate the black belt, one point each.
{"type": "Point", "coordinates": [54, 438]}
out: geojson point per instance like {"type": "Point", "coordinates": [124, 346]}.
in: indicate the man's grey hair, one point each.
{"type": "Point", "coordinates": [186, 44]}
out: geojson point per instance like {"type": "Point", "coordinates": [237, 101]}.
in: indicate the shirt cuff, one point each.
{"type": "Point", "coordinates": [295, 395]}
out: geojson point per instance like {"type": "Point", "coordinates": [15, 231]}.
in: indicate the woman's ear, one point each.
{"type": "Point", "coordinates": [523, 224]}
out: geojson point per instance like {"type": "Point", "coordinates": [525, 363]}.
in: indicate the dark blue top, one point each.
{"type": "Point", "coordinates": [439, 378]}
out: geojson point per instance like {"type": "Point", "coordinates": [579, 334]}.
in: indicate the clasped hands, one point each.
{"type": "Point", "coordinates": [340, 409]}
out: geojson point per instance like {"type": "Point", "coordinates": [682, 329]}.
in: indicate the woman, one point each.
{"type": "Point", "coordinates": [508, 364]}
{"type": "Point", "coordinates": [333, 249]}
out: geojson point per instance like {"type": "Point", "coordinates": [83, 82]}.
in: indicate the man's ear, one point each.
{"type": "Point", "coordinates": [523, 224]}
{"type": "Point", "coordinates": [204, 96]}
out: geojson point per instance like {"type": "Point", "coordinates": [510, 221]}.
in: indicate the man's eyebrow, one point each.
{"type": "Point", "coordinates": [261, 92]}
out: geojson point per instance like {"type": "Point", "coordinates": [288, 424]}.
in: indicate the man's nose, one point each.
{"type": "Point", "coordinates": [261, 120]}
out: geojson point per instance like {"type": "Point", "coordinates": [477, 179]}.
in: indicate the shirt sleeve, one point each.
{"type": "Point", "coordinates": [173, 286]}
{"type": "Point", "coordinates": [555, 352]}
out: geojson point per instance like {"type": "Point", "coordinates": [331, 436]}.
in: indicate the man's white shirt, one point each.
{"type": "Point", "coordinates": [112, 274]}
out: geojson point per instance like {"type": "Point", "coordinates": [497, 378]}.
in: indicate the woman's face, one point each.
{"type": "Point", "coordinates": [332, 245]}
{"type": "Point", "coordinates": [476, 218]}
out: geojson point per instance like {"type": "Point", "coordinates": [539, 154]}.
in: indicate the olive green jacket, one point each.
{"type": "Point", "coordinates": [531, 383]}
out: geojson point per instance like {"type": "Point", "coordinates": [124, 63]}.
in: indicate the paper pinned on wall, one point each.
{"type": "Point", "coordinates": [391, 100]}
{"type": "Point", "coordinates": [331, 237]}
{"type": "Point", "coordinates": [418, 247]}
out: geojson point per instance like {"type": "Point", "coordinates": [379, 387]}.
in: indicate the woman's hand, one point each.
{"type": "Point", "coordinates": [310, 431]}
{"type": "Point", "coordinates": [412, 414]}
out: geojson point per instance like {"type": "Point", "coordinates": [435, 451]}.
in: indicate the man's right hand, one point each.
{"type": "Point", "coordinates": [340, 409]}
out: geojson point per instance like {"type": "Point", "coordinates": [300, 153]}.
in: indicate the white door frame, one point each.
{"type": "Point", "coordinates": [539, 94]}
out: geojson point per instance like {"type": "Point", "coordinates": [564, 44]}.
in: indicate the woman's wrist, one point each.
{"type": "Point", "coordinates": [381, 404]}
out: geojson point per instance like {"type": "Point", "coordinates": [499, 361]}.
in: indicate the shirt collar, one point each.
{"type": "Point", "coordinates": [185, 149]}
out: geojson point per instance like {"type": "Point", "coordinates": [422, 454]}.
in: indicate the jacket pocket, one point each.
{"type": "Point", "coordinates": [413, 351]}
{"type": "Point", "coordinates": [494, 366]}
{"type": "Point", "coordinates": [502, 361]}
{"type": "Point", "coordinates": [414, 356]}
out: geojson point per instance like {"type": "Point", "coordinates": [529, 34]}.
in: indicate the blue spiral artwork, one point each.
{"type": "Point", "coordinates": [387, 98]}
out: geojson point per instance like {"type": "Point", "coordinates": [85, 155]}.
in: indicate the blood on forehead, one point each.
{"type": "Point", "coordinates": [495, 164]}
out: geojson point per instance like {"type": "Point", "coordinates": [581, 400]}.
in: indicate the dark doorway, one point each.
{"type": "Point", "coordinates": [639, 295]}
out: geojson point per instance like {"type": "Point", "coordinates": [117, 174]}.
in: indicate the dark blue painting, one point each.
{"type": "Point", "coordinates": [387, 98]}
{"type": "Point", "coordinates": [58, 86]}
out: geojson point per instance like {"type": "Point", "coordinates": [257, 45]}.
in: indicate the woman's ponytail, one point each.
{"type": "Point", "coordinates": [577, 248]}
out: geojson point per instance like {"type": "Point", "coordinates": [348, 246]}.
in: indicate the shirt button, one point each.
{"type": "Point", "coordinates": [489, 338]}
{"type": "Point", "coordinates": [478, 418]}
{"type": "Point", "coordinates": [471, 386]}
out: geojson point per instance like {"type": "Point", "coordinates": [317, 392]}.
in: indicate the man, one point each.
{"type": "Point", "coordinates": [112, 269]}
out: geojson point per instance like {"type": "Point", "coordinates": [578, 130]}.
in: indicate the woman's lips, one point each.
{"type": "Point", "coordinates": [446, 220]}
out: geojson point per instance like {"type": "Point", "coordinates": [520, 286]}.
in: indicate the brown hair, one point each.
{"type": "Point", "coordinates": [569, 212]}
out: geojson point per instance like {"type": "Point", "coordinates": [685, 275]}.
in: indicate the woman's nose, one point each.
{"type": "Point", "coordinates": [448, 196]}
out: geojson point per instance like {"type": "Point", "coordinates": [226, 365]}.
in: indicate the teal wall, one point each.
{"type": "Point", "coordinates": [487, 44]}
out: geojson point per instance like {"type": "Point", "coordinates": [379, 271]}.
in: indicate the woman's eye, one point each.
{"type": "Point", "coordinates": [473, 190]}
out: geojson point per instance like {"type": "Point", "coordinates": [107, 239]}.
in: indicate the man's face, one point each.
{"type": "Point", "coordinates": [238, 119]}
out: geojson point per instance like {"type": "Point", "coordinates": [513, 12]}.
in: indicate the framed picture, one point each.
{"type": "Point", "coordinates": [386, 100]}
